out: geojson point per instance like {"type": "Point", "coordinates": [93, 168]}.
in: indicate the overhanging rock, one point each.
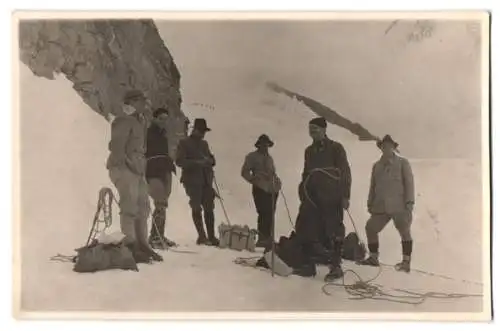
{"type": "Point", "coordinates": [103, 59]}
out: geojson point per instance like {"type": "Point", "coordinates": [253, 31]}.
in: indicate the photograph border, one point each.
{"type": "Point", "coordinates": [484, 16]}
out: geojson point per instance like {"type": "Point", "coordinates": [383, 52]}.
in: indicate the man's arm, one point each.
{"type": "Point", "coordinates": [211, 156]}
{"type": "Point", "coordinates": [305, 170]}
{"type": "Point", "coordinates": [409, 185]}
{"type": "Point", "coordinates": [247, 169]}
{"type": "Point", "coordinates": [345, 173]}
{"type": "Point", "coordinates": [120, 130]}
{"type": "Point", "coordinates": [371, 190]}
{"type": "Point", "coordinates": [181, 157]}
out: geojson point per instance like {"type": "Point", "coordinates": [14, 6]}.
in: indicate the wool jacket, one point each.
{"type": "Point", "coordinates": [159, 162]}
{"type": "Point", "coordinates": [392, 186]}
{"type": "Point", "coordinates": [127, 144]}
{"type": "Point", "coordinates": [327, 156]}
{"type": "Point", "coordinates": [190, 151]}
{"type": "Point", "coordinates": [258, 169]}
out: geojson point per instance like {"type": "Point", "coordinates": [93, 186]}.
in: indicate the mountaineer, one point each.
{"type": "Point", "coordinates": [326, 181]}
{"type": "Point", "coordinates": [391, 196]}
{"type": "Point", "coordinates": [197, 161]}
{"type": "Point", "coordinates": [126, 165]}
{"type": "Point", "coordinates": [259, 170]}
{"type": "Point", "coordinates": [159, 169]}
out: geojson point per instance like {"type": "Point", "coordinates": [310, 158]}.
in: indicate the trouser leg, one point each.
{"type": "Point", "coordinates": [402, 222]}
{"type": "Point", "coordinates": [127, 186]}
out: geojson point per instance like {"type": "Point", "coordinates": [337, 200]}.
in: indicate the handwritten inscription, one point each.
{"type": "Point", "coordinates": [421, 30]}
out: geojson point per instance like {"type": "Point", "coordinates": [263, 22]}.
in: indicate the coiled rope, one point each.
{"type": "Point", "coordinates": [335, 176]}
{"type": "Point", "coordinates": [365, 289]}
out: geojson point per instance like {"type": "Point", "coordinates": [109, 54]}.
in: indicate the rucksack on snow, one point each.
{"type": "Point", "coordinates": [353, 249]}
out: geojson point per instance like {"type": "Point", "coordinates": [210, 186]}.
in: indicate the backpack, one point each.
{"type": "Point", "coordinates": [288, 250]}
{"type": "Point", "coordinates": [353, 249]}
{"type": "Point", "coordinates": [101, 256]}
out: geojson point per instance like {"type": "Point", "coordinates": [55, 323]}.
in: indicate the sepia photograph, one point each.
{"type": "Point", "coordinates": [258, 165]}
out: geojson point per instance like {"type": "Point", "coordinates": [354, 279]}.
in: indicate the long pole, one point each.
{"type": "Point", "coordinates": [272, 232]}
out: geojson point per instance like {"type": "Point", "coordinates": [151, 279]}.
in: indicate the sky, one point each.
{"type": "Point", "coordinates": [426, 93]}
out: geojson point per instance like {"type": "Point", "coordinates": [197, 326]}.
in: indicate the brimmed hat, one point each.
{"type": "Point", "coordinates": [133, 95]}
{"type": "Point", "coordinates": [318, 121]}
{"type": "Point", "coordinates": [200, 124]}
{"type": "Point", "coordinates": [264, 139]}
{"type": "Point", "coordinates": [387, 138]}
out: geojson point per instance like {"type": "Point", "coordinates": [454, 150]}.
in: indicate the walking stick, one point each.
{"type": "Point", "coordinates": [221, 202]}
{"type": "Point", "coordinates": [272, 234]}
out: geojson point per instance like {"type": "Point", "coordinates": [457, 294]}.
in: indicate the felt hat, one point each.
{"type": "Point", "coordinates": [387, 139]}
{"type": "Point", "coordinates": [264, 139]}
{"type": "Point", "coordinates": [200, 124]}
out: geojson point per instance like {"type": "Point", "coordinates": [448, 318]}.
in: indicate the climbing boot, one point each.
{"type": "Point", "coordinates": [335, 273]}
{"type": "Point", "coordinates": [210, 224]}
{"type": "Point", "coordinates": [407, 250]}
{"type": "Point", "coordinates": [161, 243]}
{"type": "Point", "coordinates": [140, 256]}
{"type": "Point", "coordinates": [372, 260]}
{"type": "Point", "coordinates": [198, 223]}
{"type": "Point", "coordinates": [155, 256]}
{"type": "Point", "coordinates": [151, 253]}
{"type": "Point", "coordinates": [403, 265]}
{"type": "Point", "coordinates": [170, 243]}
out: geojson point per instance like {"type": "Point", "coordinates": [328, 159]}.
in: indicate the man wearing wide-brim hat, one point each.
{"type": "Point", "coordinates": [259, 170]}
{"type": "Point", "coordinates": [391, 197]}
{"type": "Point", "coordinates": [127, 166]}
{"type": "Point", "coordinates": [196, 160]}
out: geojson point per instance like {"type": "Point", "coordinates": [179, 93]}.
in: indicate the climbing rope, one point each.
{"type": "Point", "coordinates": [244, 261]}
{"type": "Point", "coordinates": [365, 289]}
{"type": "Point", "coordinates": [105, 206]}
{"type": "Point", "coordinates": [324, 171]}
{"type": "Point", "coordinates": [63, 258]}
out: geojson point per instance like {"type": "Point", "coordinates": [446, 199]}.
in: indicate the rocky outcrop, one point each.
{"type": "Point", "coordinates": [103, 59]}
{"type": "Point", "coordinates": [329, 114]}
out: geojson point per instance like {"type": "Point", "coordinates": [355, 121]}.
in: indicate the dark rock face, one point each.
{"type": "Point", "coordinates": [329, 114]}
{"type": "Point", "coordinates": [103, 59]}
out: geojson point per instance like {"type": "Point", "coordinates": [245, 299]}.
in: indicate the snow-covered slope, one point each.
{"type": "Point", "coordinates": [63, 155]}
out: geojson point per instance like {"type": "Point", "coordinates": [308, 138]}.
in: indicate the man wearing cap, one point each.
{"type": "Point", "coordinates": [126, 165]}
{"type": "Point", "coordinates": [159, 169]}
{"type": "Point", "coordinates": [259, 170]}
{"type": "Point", "coordinates": [196, 160]}
{"type": "Point", "coordinates": [391, 196]}
{"type": "Point", "coordinates": [327, 185]}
